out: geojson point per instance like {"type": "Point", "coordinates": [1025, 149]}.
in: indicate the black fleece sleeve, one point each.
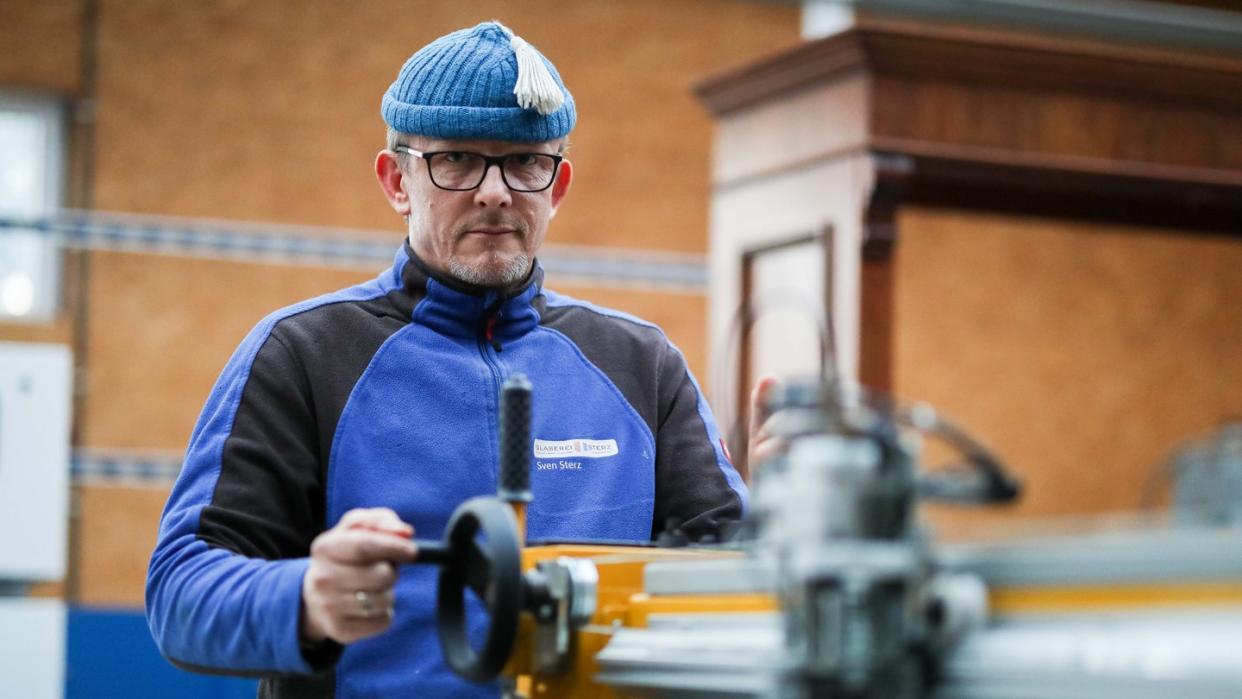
{"type": "Point", "coordinates": [696, 488]}
{"type": "Point", "coordinates": [268, 501]}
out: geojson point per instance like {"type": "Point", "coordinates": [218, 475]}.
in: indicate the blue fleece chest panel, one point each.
{"type": "Point", "coordinates": [419, 436]}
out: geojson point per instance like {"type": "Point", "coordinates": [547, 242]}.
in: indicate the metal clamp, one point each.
{"type": "Point", "coordinates": [569, 589]}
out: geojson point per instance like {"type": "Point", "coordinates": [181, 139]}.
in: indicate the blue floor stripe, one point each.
{"type": "Point", "coordinates": [111, 654]}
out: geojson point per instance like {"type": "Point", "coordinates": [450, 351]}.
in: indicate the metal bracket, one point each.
{"type": "Point", "coordinates": [572, 585]}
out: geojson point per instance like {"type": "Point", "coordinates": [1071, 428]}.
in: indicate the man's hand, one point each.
{"type": "Point", "coordinates": [761, 445]}
{"type": "Point", "coordinates": [347, 592]}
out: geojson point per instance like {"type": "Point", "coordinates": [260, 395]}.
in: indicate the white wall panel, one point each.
{"type": "Point", "coordinates": [35, 394]}
{"type": "Point", "coordinates": [32, 648]}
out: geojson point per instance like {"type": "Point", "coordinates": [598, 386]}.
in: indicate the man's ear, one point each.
{"type": "Point", "coordinates": [560, 187]}
{"type": "Point", "coordinates": [389, 175]}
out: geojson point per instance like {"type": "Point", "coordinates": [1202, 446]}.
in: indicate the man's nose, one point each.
{"type": "Point", "coordinates": [492, 190]}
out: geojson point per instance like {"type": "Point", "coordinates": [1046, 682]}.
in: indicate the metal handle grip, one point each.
{"type": "Point", "coordinates": [515, 445]}
{"type": "Point", "coordinates": [434, 552]}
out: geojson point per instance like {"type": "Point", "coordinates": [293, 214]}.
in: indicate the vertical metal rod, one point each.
{"type": "Point", "coordinates": [83, 194]}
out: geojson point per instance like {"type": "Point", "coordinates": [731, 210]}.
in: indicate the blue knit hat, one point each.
{"type": "Point", "coordinates": [480, 83]}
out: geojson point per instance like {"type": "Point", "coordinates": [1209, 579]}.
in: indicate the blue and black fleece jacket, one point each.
{"type": "Point", "coordinates": [386, 395]}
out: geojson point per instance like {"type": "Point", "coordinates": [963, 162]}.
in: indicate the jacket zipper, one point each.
{"type": "Point", "coordinates": [487, 341]}
{"type": "Point", "coordinates": [487, 338]}
{"type": "Point", "coordinates": [489, 328]}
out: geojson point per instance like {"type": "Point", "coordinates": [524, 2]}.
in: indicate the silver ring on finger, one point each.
{"type": "Point", "coordinates": [365, 606]}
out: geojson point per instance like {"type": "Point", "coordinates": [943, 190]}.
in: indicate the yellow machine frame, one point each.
{"type": "Point", "coordinates": [622, 602]}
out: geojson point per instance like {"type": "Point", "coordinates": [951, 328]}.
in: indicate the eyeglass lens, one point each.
{"type": "Point", "coordinates": [522, 172]}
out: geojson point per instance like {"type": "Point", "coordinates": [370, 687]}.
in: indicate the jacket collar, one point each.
{"type": "Point", "coordinates": [460, 309]}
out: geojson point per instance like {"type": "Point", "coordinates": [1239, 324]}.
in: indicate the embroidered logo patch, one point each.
{"type": "Point", "coordinates": [587, 448]}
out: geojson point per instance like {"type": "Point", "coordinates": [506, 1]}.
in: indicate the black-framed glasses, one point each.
{"type": "Point", "coordinates": [460, 171]}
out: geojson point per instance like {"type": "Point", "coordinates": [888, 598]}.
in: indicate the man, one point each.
{"type": "Point", "coordinates": [345, 423]}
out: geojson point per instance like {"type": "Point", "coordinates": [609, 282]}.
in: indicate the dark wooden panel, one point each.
{"type": "Point", "coordinates": [1080, 124]}
{"type": "Point", "coordinates": [875, 333]}
{"type": "Point", "coordinates": [938, 52]}
{"type": "Point", "coordinates": [1039, 61]}
{"type": "Point", "coordinates": [994, 180]}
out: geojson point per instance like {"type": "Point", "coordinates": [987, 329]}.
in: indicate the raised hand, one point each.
{"type": "Point", "coordinates": [347, 592]}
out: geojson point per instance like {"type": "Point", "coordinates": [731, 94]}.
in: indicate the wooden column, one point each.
{"type": "Point", "coordinates": [972, 119]}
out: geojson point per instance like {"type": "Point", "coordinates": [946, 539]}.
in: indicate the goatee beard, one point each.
{"type": "Point", "coordinates": [502, 274]}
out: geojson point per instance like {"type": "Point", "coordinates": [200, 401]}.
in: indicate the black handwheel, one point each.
{"type": "Point", "coordinates": [491, 565]}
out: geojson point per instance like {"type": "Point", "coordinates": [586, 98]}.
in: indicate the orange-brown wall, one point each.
{"type": "Point", "coordinates": [1084, 353]}
{"type": "Point", "coordinates": [269, 112]}
{"type": "Point", "coordinates": [42, 42]}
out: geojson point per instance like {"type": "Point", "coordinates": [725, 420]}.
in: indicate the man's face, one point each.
{"type": "Point", "coordinates": [487, 236]}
